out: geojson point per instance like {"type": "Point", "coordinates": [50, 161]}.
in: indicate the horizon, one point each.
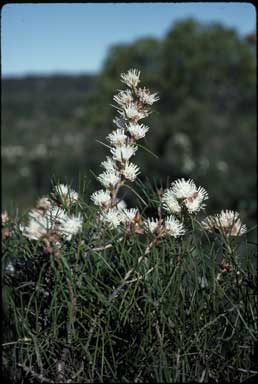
{"type": "Point", "coordinates": [30, 49]}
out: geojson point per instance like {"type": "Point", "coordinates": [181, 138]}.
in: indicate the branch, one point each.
{"type": "Point", "coordinates": [38, 376]}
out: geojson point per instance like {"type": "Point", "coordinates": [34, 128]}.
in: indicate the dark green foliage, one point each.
{"type": "Point", "coordinates": [97, 314]}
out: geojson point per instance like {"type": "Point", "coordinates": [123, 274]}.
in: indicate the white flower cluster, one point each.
{"type": "Point", "coordinates": [170, 226]}
{"type": "Point", "coordinates": [48, 217]}
{"type": "Point", "coordinates": [66, 195]}
{"type": "Point", "coordinates": [114, 217]}
{"type": "Point", "coordinates": [226, 221]}
{"type": "Point", "coordinates": [181, 199]}
{"type": "Point", "coordinates": [184, 194]}
{"type": "Point", "coordinates": [133, 105]}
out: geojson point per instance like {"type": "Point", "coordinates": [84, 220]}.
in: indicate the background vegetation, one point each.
{"type": "Point", "coordinates": [204, 126]}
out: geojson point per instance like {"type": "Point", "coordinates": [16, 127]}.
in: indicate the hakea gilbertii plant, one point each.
{"type": "Point", "coordinates": [52, 218]}
{"type": "Point", "coordinates": [134, 104]}
{"type": "Point", "coordinates": [90, 304]}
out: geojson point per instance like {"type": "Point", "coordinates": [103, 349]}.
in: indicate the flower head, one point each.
{"type": "Point", "coordinates": [186, 192]}
{"type": "Point", "coordinates": [70, 227]}
{"type": "Point", "coordinates": [123, 153]}
{"type": "Point", "coordinates": [109, 165]}
{"type": "Point", "coordinates": [117, 137]}
{"type": "Point", "coordinates": [101, 198]}
{"type": "Point", "coordinates": [44, 203]}
{"type": "Point", "coordinates": [195, 203]}
{"type": "Point", "coordinates": [173, 227]}
{"type": "Point", "coordinates": [133, 112]}
{"type": "Point", "coordinates": [226, 221]}
{"type": "Point", "coordinates": [183, 189]}
{"type": "Point", "coordinates": [152, 225]}
{"type": "Point", "coordinates": [37, 227]}
{"type": "Point", "coordinates": [124, 98]}
{"type": "Point", "coordinates": [131, 78]}
{"type": "Point", "coordinates": [130, 171]}
{"type": "Point", "coordinates": [109, 179]}
{"type": "Point", "coordinates": [127, 216]}
{"type": "Point", "coordinates": [138, 131]}
{"type": "Point", "coordinates": [146, 96]}
{"type": "Point", "coordinates": [56, 215]}
{"type": "Point", "coordinates": [66, 193]}
{"type": "Point", "coordinates": [111, 217]}
{"type": "Point", "coordinates": [170, 203]}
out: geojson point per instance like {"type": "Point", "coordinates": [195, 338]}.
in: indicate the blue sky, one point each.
{"type": "Point", "coordinates": [52, 38]}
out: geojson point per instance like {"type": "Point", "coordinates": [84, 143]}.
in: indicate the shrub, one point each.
{"type": "Point", "coordinates": [101, 292]}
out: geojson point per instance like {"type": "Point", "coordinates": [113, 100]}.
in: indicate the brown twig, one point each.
{"type": "Point", "coordinates": [38, 376]}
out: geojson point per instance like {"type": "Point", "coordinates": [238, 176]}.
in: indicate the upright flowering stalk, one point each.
{"type": "Point", "coordinates": [133, 105]}
{"type": "Point", "coordinates": [229, 225]}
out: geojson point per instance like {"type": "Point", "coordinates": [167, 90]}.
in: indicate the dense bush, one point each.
{"type": "Point", "coordinates": [102, 293]}
{"type": "Point", "coordinates": [74, 317]}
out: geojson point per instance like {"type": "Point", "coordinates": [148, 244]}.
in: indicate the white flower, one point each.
{"type": "Point", "coordinates": [54, 219]}
{"type": "Point", "coordinates": [131, 78]}
{"type": "Point", "coordinates": [70, 227]}
{"type": "Point", "coordinates": [191, 196]}
{"type": "Point", "coordinates": [130, 171]}
{"type": "Point", "coordinates": [227, 221]}
{"type": "Point", "coordinates": [41, 223]}
{"type": "Point", "coordinates": [138, 131]}
{"type": "Point", "coordinates": [37, 227]}
{"type": "Point", "coordinates": [152, 225]}
{"type": "Point", "coordinates": [121, 205]}
{"type": "Point", "coordinates": [146, 97]}
{"type": "Point", "coordinates": [56, 215]}
{"type": "Point", "coordinates": [183, 189]}
{"type": "Point", "coordinates": [124, 98]}
{"type": "Point", "coordinates": [66, 193]}
{"type": "Point", "coordinates": [173, 227]}
{"type": "Point", "coordinates": [123, 153]}
{"type": "Point", "coordinates": [111, 218]}
{"type": "Point", "coordinates": [109, 179]}
{"type": "Point", "coordinates": [132, 112]}
{"type": "Point", "coordinates": [128, 215]}
{"type": "Point", "coordinates": [209, 223]}
{"type": "Point", "coordinates": [117, 137]}
{"type": "Point", "coordinates": [101, 198]}
{"type": "Point", "coordinates": [44, 203]}
{"type": "Point", "coordinates": [195, 204]}
{"type": "Point", "coordinates": [109, 165]}
{"type": "Point", "coordinates": [170, 203]}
